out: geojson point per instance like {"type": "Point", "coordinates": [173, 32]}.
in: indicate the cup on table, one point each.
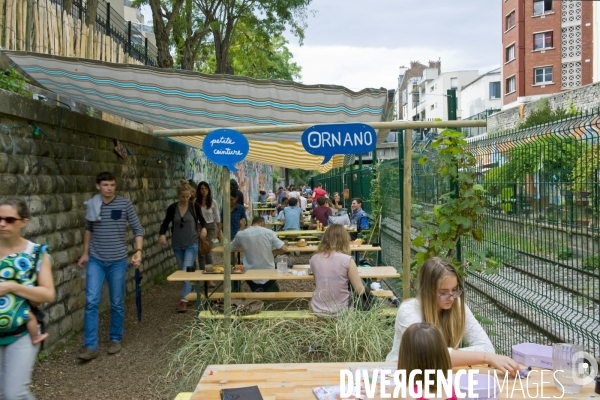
{"type": "Point", "coordinates": [565, 360]}
{"type": "Point", "coordinates": [352, 226]}
{"type": "Point", "coordinates": [282, 263]}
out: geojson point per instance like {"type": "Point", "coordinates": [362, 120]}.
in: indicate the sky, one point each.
{"type": "Point", "coordinates": [362, 43]}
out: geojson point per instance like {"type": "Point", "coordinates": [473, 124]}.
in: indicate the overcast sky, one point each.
{"type": "Point", "coordinates": [361, 43]}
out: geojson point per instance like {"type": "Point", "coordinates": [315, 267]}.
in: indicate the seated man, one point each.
{"type": "Point", "coordinates": [292, 216]}
{"type": "Point", "coordinates": [358, 217]}
{"type": "Point", "coordinates": [259, 245]}
{"type": "Point", "coordinates": [321, 213]}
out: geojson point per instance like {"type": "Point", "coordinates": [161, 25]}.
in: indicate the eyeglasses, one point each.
{"type": "Point", "coordinates": [446, 297]}
{"type": "Point", "coordinates": [10, 220]}
{"type": "Point", "coordinates": [182, 222]}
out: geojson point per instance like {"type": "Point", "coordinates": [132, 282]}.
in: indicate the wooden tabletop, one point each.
{"type": "Point", "coordinates": [264, 209]}
{"type": "Point", "coordinates": [305, 232]}
{"type": "Point", "coordinates": [313, 248]}
{"type": "Point", "coordinates": [268, 274]}
{"type": "Point", "coordinates": [296, 381]}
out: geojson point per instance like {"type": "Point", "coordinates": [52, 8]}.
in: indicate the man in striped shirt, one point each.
{"type": "Point", "coordinates": [105, 252]}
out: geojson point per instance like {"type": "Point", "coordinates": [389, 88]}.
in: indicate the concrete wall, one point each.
{"type": "Point", "coordinates": [56, 174]}
{"type": "Point", "coordinates": [584, 98]}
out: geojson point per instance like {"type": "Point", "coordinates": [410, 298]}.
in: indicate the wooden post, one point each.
{"type": "Point", "coordinates": [226, 245]}
{"type": "Point", "coordinates": [406, 214]}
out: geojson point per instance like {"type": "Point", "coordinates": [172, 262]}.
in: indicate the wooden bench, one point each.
{"type": "Point", "coordinates": [184, 396]}
{"type": "Point", "coordinates": [276, 295]}
{"type": "Point", "coordinates": [294, 314]}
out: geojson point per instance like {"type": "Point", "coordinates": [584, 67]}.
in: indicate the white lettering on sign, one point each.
{"type": "Point", "coordinates": [228, 152]}
{"type": "Point", "coordinates": [221, 140]}
{"type": "Point", "coordinates": [327, 139]}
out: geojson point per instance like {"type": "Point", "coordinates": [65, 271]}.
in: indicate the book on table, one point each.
{"type": "Point", "coordinates": [244, 393]}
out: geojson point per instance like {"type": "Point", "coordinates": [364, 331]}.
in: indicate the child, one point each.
{"type": "Point", "coordinates": [423, 348]}
{"type": "Point", "coordinates": [19, 312]}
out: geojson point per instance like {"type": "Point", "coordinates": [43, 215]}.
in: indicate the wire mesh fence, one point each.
{"type": "Point", "coordinates": [542, 224]}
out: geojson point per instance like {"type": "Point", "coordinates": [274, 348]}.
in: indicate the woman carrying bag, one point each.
{"type": "Point", "coordinates": [188, 228]}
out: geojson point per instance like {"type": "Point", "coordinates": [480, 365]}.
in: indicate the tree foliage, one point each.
{"type": "Point", "coordinates": [543, 114]}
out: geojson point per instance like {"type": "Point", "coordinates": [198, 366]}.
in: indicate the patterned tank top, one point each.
{"type": "Point", "coordinates": [21, 268]}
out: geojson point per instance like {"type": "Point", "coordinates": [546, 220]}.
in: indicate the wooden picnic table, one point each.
{"type": "Point", "coordinates": [296, 381]}
{"type": "Point", "coordinates": [313, 248]}
{"type": "Point", "coordinates": [297, 232]}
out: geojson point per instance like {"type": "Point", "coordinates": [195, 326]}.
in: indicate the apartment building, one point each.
{"type": "Point", "coordinates": [426, 95]}
{"type": "Point", "coordinates": [481, 95]}
{"type": "Point", "coordinates": [547, 47]}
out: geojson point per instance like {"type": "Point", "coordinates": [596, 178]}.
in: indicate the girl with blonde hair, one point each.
{"type": "Point", "coordinates": [333, 268]}
{"type": "Point", "coordinates": [184, 216]}
{"type": "Point", "coordinates": [441, 301]}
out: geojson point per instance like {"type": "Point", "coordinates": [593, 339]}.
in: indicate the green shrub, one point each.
{"type": "Point", "coordinates": [565, 253]}
{"type": "Point", "coordinates": [12, 81]}
{"type": "Point", "coordinates": [591, 262]}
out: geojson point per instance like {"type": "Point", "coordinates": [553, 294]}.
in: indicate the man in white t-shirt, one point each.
{"type": "Point", "coordinates": [303, 203]}
{"type": "Point", "coordinates": [259, 245]}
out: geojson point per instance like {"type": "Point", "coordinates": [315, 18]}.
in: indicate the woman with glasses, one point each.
{"type": "Point", "coordinates": [25, 282]}
{"type": "Point", "coordinates": [184, 216]}
{"type": "Point", "coordinates": [441, 301]}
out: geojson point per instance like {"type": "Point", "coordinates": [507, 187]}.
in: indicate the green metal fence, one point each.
{"type": "Point", "coordinates": [543, 192]}
{"type": "Point", "coordinates": [358, 182]}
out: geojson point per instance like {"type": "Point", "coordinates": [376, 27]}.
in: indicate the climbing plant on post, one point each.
{"type": "Point", "coordinates": [461, 212]}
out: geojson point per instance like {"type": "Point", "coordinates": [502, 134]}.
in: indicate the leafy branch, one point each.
{"type": "Point", "coordinates": [461, 212]}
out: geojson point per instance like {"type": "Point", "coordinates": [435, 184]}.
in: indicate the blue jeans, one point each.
{"type": "Point", "coordinates": [186, 257]}
{"type": "Point", "coordinates": [114, 273]}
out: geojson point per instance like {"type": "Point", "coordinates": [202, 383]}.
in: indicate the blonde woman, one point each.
{"type": "Point", "coordinates": [441, 302]}
{"type": "Point", "coordinates": [183, 215]}
{"type": "Point", "coordinates": [333, 268]}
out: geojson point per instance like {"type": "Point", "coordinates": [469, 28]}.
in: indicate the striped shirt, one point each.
{"type": "Point", "coordinates": [108, 235]}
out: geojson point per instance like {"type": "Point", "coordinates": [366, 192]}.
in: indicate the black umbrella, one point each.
{"type": "Point", "coordinates": [138, 292]}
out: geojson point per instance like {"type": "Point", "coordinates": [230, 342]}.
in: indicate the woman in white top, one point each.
{"type": "Point", "coordinates": [441, 302]}
{"type": "Point", "coordinates": [293, 193]}
{"type": "Point", "coordinates": [210, 212]}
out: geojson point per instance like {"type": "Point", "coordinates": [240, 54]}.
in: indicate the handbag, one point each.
{"type": "Point", "coordinates": [204, 246]}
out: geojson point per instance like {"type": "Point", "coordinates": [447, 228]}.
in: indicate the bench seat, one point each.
{"type": "Point", "coordinates": [294, 314]}
{"type": "Point", "coordinates": [277, 295]}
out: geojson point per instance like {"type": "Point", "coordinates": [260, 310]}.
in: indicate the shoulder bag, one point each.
{"type": "Point", "coordinates": [204, 245]}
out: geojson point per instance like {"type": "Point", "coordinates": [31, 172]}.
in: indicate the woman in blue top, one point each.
{"type": "Point", "coordinates": [292, 215]}
{"type": "Point", "coordinates": [17, 352]}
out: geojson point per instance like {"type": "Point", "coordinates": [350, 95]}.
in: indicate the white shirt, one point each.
{"type": "Point", "coordinates": [293, 194]}
{"type": "Point", "coordinates": [303, 203]}
{"type": "Point", "coordinates": [409, 313]}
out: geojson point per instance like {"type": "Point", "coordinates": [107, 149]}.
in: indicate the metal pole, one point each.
{"type": "Point", "coordinates": [108, 19]}
{"type": "Point", "coordinates": [452, 106]}
{"type": "Point", "coordinates": [129, 39]}
{"type": "Point", "coordinates": [226, 245]}
{"type": "Point", "coordinates": [406, 205]}
{"type": "Point", "coordinates": [303, 127]}
{"type": "Point", "coordinates": [360, 176]}
{"type": "Point", "coordinates": [146, 50]}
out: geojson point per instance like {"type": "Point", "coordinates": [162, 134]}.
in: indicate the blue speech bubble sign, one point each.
{"type": "Point", "coordinates": [330, 139]}
{"type": "Point", "coordinates": [225, 147]}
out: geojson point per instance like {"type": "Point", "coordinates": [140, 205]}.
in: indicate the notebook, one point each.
{"type": "Point", "coordinates": [245, 393]}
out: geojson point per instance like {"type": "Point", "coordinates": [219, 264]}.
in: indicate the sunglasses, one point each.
{"type": "Point", "coordinates": [10, 220]}
{"type": "Point", "coordinates": [182, 222]}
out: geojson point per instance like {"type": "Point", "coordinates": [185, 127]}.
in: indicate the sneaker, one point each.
{"type": "Point", "coordinates": [182, 306]}
{"type": "Point", "coordinates": [114, 348]}
{"type": "Point", "coordinates": [87, 354]}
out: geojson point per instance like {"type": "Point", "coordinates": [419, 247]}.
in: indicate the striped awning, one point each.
{"type": "Point", "coordinates": [175, 99]}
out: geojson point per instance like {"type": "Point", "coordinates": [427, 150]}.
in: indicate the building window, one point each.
{"type": "Point", "coordinates": [543, 75]}
{"type": "Point", "coordinates": [541, 6]}
{"type": "Point", "coordinates": [453, 83]}
{"type": "Point", "coordinates": [510, 20]}
{"type": "Point", "coordinates": [510, 53]}
{"type": "Point", "coordinates": [494, 90]}
{"type": "Point", "coordinates": [511, 85]}
{"type": "Point", "coordinates": [542, 40]}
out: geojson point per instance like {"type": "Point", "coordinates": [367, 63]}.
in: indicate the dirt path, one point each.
{"type": "Point", "coordinates": [134, 373]}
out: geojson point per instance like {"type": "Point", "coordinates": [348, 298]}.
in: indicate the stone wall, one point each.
{"type": "Point", "coordinates": [584, 98]}
{"type": "Point", "coordinates": [55, 173]}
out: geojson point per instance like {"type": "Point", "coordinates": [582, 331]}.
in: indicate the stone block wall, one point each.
{"type": "Point", "coordinates": [55, 173]}
{"type": "Point", "coordinates": [584, 99]}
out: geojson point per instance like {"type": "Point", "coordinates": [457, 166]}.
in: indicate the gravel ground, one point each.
{"type": "Point", "coordinates": [136, 372]}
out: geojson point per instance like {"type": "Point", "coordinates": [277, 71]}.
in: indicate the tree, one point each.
{"type": "Point", "coordinates": [163, 19]}
{"type": "Point", "coordinates": [256, 54]}
{"type": "Point", "coordinates": [189, 33]}
{"type": "Point", "coordinates": [272, 15]}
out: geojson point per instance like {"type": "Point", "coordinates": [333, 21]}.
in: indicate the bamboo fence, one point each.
{"type": "Point", "coordinates": [55, 32]}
